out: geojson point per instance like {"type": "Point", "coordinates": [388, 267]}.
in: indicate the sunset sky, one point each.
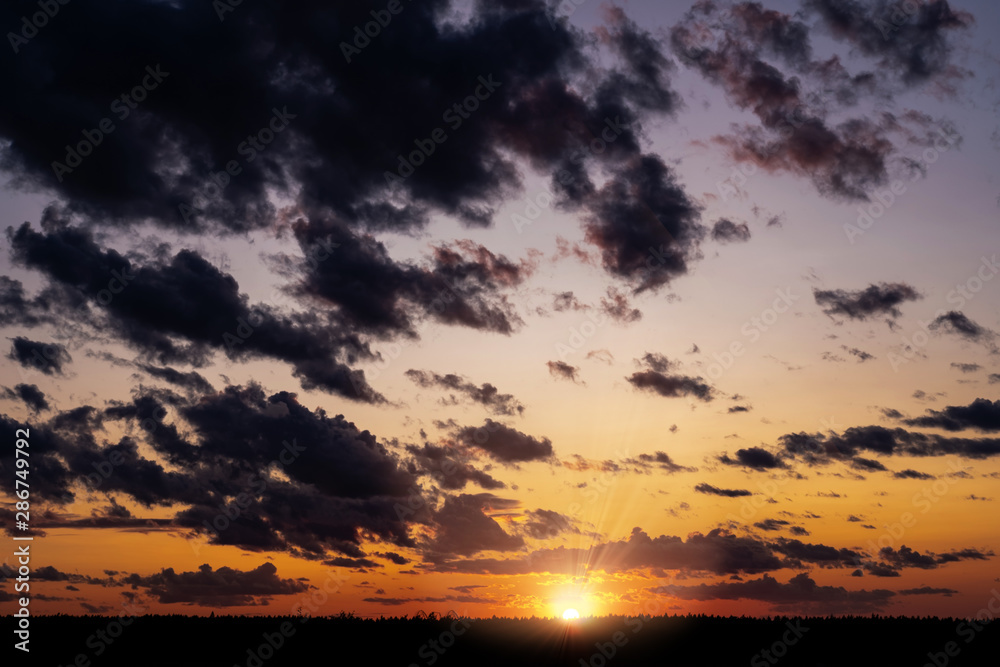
{"type": "Point", "coordinates": [504, 307]}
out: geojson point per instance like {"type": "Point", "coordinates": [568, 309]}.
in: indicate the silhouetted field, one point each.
{"type": "Point", "coordinates": [613, 641]}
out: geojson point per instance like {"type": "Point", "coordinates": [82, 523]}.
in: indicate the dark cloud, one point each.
{"type": "Point", "coordinates": [659, 460]}
{"type": "Point", "coordinates": [52, 477]}
{"type": "Point", "coordinates": [224, 587]}
{"type": "Point", "coordinates": [341, 479]}
{"type": "Point", "coordinates": [966, 368]}
{"type": "Point", "coordinates": [799, 552]}
{"type": "Point", "coordinates": [727, 231]}
{"type": "Point", "coordinates": [800, 591]}
{"type": "Point", "coordinates": [957, 323]}
{"type": "Point", "coordinates": [49, 573]}
{"type": "Point", "coordinates": [463, 527]}
{"type": "Point", "coordinates": [860, 354]}
{"type": "Point", "coordinates": [907, 557]}
{"type": "Point", "coordinates": [461, 285]}
{"type": "Point", "coordinates": [445, 425]}
{"type": "Point", "coordinates": [566, 301]}
{"type": "Point", "coordinates": [739, 408]}
{"type": "Point", "coordinates": [823, 448]}
{"type": "Point", "coordinates": [671, 386]}
{"type": "Point", "coordinates": [964, 554]}
{"type": "Point", "coordinates": [30, 394]}
{"type": "Point", "coordinates": [716, 491]}
{"type": "Point", "coordinates": [190, 380]}
{"type": "Point", "coordinates": [909, 41]}
{"type": "Point", "coordinates": [393, 557]}
{"type": "Point", "coordinates": [927, 590]}
{"type": "Point", "coordinates": [449, 468]}
{"type": "Point", "coordinates": [717, 552]}
{"type": "Point", "coordinates": [617, 307]}
{"type": "Point", "coordinates": [657, 362]}
{"type": "Point", "coordinates": [352, 563]}
{"type": "Point", "coordinates": [912, 474]}
{"type": "Point", "coordinates": [763, 60]}
{"type": "Point", "coordinates": [208, 131]}
{"type": "Point", "coordinates": [771, 524]}
{"type": "Point", "coordinates": [981, 415]}
{"type": "Point", "coordinates": [183, 309]}
{"type": "Point", "coordinates": [466, 589]}
{"type": "Point", "coordinates": [658, 380]}
{"type": "Point", "coordinates": [881, 299]}
{"type": "Point", "coordinates": [546, 524]}
{"type": "Point", "coordinates": [395, 602]}
{"type": "Point", "coordinates": [16, 308]}
{"type": "Point", "coordinates": [757, 458]}
{"type": "Point", "coordinates": [895, 560]}
{"type": "Point", "coordinates": [563, 371]}
{"type": "Point", "coordinates": [869, 465]}
{"type": "Point", "coordinates": [642, 207]}
{"type": "Point", "coordinates": [643, 80]}
{"type": "Point", "coordinates": [48, 358]}
{"type": "Point", "coordinates": [345, 488]}
{"type": "Point", "coordinates": [163, 159]}
{"type": "Point", "coordinates": [486, 394]}
{"type": "Point", "coordinates": [503, 443]}
{"type": "Point", "coordinates": [336, 482]}
{"type": "Point", "coordinates": [114, 510]}
{"type": "Point", "coordinates": [163, 166]}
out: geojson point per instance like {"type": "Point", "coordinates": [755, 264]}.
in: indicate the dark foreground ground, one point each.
{"type": "Point", "coordinates": [152, 641]}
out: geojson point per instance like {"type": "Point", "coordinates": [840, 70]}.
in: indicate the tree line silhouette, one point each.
{"type": "Point", "coordinates": [426, 639]}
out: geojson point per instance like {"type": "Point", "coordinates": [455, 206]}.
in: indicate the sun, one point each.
{"type": "Point", "coordinates": [570, 614]}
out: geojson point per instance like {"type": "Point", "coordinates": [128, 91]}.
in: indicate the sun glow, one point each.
{"type": "Point", "coordinates": [570, 614]}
